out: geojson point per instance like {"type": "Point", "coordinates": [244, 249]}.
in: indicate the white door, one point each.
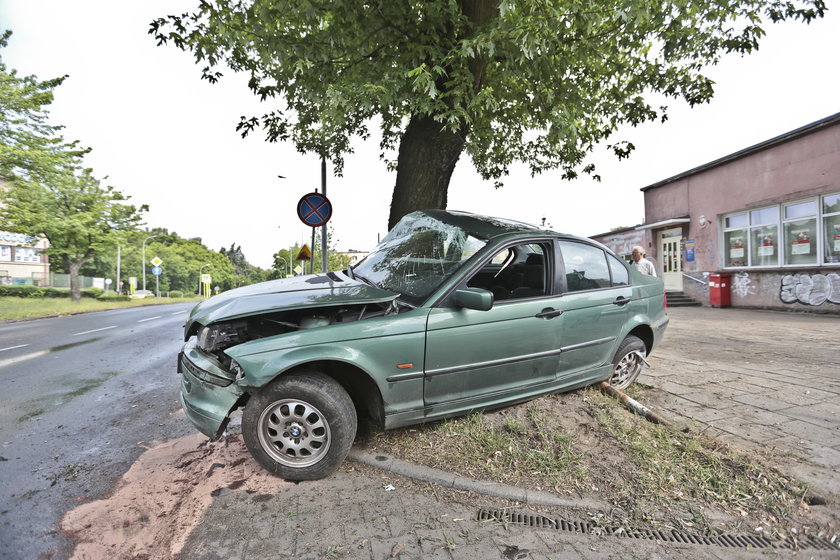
{"type": "Point", "coordinates": [670, 257]}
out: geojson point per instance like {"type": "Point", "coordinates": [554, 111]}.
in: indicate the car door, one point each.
{"type": "Point", "coordinates": [596, 291]}
{"type": "Point", "coordinates": [477, 357]}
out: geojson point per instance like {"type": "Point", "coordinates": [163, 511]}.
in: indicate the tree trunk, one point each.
{"type": "Point", "coordinates": [426, 160]}
{"type": "Point", "coordinates": [75, 287]}
{"type": "Point", "coordinates": [428, 154]}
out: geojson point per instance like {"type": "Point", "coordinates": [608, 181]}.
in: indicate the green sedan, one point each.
{"type": "Point", "coordinates": [449, 314]}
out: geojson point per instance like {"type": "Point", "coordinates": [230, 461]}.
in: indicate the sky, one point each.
{"type": "Point", "coordinates": [166, 138]}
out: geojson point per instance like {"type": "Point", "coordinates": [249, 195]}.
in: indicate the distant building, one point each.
{"type": "Point", "coordinates": [354, 256]}
{"type": "Point", "coordinates": [768, 215]}
{"type": "Point", "coordinates": [22, 260]}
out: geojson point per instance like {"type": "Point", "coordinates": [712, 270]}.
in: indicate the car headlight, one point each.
{"type": "Point", "coordinates": [217, 337]}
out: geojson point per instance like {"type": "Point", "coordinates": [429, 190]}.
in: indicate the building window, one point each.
{"type": "Point", "coordinates": [5, 253]}
{"type": "Point", "coordinates": [27, 255]}
{"type": "Point", "coordinates": [751, 238]}
{"type": "Point", "coordinates": [789, 234]}
{"type": "Point", "coordinates": [800, 223]}
{"type": "Point", "coordinates": [831, 219]}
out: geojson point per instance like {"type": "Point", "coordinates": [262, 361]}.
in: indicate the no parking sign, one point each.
{"type": "Point", "coordinates": [314, 209]}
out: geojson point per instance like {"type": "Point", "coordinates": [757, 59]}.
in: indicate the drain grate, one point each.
{"type": "Point", "coordinates": [583, 527]}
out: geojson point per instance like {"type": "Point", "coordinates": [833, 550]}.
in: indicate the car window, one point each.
{"type": "Point", "coordinates": [516, 272]}
{"type": "Point", "coordinates": [586, 266]}
{"type": "Point", "coordinates": [619, 273]}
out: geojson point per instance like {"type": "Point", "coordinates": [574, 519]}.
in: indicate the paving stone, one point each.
{"type": "Point", "coordinates": [821, 414]}
{"type": "Point", "coordinates": [753, 432]}
{"type": "Point", "coordinates": [760, 399]}
{"type": "Point", "coordinates": [812, 433]}
{"type": "Point", "coordinates": [716, 399]}
{"type": "Point", "coordinates": [754, 415]}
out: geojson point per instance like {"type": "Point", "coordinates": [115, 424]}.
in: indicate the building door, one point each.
{"type": "Point", "coordinates": [670, 255]}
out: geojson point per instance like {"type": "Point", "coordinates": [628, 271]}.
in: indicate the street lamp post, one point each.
{"type": "Point", "coordinates": [199, 277]}
{"type": "Point", "coordinates": [144, 258]}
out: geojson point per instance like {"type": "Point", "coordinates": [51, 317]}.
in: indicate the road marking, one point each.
{"type": "Point", "coordinates": [23, 358]}
{"type": "Point", "coordinates": [179, 312]}
{"type": "Point", "coordinates": [13, 347]}
{"type": "Point", "coordinates": [94, 330]}
{"type": "Point", "coordinates": [149, 319]}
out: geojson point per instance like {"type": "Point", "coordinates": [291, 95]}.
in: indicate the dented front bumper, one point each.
{"type": "Point", "coordinates": [208, 393]}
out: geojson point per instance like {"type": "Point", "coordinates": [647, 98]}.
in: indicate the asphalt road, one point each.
{"type": "Point", "coordinates": [79, 398]}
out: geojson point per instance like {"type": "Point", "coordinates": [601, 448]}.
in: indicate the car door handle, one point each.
{"type": "Point", "coordinates": [621, 300]}
{"type": "Point", "coordinates": [549, 313]}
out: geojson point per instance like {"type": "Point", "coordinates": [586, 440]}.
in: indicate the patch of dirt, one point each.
{"type": "Point", "coordinates": [586, 445]}
{"type": "Point", "coordinates": [163, 496]}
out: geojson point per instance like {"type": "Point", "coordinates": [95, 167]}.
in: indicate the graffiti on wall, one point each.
{"type": "Point", "coordinates": [741, 284]}
{"type": "Point", "coordinates": [811, 289]}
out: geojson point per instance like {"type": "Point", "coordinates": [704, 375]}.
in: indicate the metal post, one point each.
{"type": "Point", "coordinates": [312, 256]}
{"type": "Point", "coordinates": [199, 277]}
{"type": "Point", "coordinates": [143, 264]}
{"type": "Point", "coordinates": [118, 271]}
{"type": "Point", "coordinates": [324, 255]}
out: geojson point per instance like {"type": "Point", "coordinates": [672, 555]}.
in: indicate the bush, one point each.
{"type": "Point", "coordinates": [111, 296]}
{"type": "Point", "coordinates": [56, 292]}
{"type": "Point", "coordinates": [25, 291]}
{"type": "Point", "coordinates": [92, 292]}
{"type": "Point", "coordinates": [176, 294]}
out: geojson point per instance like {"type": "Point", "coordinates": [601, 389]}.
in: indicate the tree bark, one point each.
{"type": "Point", "coordinates": [75, 286]}
{"type": "Point", "coordinates": [426, 160]}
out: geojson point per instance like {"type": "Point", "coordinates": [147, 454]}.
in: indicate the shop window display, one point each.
{"type": "Point", "coordinates": [801, 235]}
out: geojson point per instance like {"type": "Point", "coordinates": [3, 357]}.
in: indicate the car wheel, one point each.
{"type": "Point", "coordinates": [628, 363]}
{"type": "Point", "coordinates": [301, 426]}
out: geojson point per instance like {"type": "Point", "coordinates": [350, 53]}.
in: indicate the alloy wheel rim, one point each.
{"type": "Point", "coordinates": [625, 370]}
{"type": "Point", "coordinates": [294, 433]}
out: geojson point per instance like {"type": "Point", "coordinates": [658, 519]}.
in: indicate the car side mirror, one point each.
{"type": "Point", "coordinates": [474, 298]}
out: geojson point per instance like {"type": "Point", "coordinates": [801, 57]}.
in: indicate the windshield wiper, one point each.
{"type": "Point", "coordinates": [366, 281]}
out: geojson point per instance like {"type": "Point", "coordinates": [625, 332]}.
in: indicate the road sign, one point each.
{"type": "Point", "coordinates": [314, 209]}
{"type": "Point", "coordinates": [298, 269]}
{"type": "Point", "coordinates": [304, 254]}
{"type": "Point", "coordinates": [156, 262]}
{"type": "Point", "coordinates": [206, 278]}
{"type": "Point", "coordinates": [156, 270]}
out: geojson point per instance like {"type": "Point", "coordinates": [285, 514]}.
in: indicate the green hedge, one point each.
{"type": "Point", "coordinates": [176, 294]}
{"type": "Point", "coordinates": [27, 291]}
{"type": "Point", "coordinates": [113, 298]}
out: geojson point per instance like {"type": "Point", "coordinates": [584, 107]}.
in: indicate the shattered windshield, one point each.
{"type": "Point", "coordinates": [417, 256]}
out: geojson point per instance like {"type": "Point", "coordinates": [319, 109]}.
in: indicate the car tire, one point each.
{"type": "Point", "coordinates": [301, 426]}
{"type": "Point", "coordinates": [627, 363]}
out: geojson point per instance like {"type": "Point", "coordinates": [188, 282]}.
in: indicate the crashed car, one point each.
{"type": "Point", "coordinates": [451, 313]}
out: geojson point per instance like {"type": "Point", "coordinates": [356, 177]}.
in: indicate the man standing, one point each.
{"type": "Point", "coordinates": [641, 263]}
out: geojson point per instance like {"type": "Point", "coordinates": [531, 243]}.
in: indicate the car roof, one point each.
{"type": "Point", "coordinates": [483, 227]}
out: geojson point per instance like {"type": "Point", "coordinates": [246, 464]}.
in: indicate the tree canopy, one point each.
{"type": "Point", "coordinates": [50, 192]}
{"type": "Point", "coordinates": [30, 147]}
{"type": "Point", "coordinates": [74, 212]}
{"type": "Point", "coordinates": [539, 82]}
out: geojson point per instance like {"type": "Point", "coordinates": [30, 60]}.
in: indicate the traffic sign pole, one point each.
{"type": "Point", "coordinates": [324, 227]}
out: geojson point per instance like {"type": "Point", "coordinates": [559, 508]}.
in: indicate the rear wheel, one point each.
{"type": "Point", "coordinates": [627, 363]}
{"type": "Point", "coordinates": [301, 426]}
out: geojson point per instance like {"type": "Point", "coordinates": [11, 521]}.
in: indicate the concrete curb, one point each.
{"type": "Point", "coordinates": [450, 480]}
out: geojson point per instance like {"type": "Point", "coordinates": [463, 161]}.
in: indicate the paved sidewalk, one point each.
{"type": "Point", "coordinates": [754, 378]}
{"type": "Point", "coordinates": [758, 379]}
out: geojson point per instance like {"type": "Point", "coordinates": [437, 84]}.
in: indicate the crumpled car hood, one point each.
{"type": "Point", "coordinates": [319, 290]}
